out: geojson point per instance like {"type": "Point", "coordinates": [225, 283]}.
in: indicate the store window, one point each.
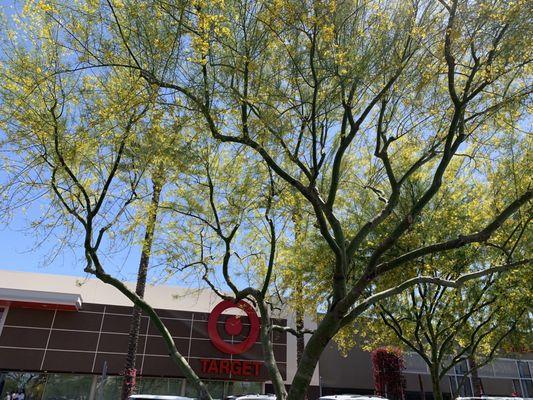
{"type": "Point", "coordinates": [414, 363]}
{"type": "Point", "coordinates": [239, 387]}
{"type": "Point", "coordinates": [32, 384]}
{"type": "Point", "coordinates": [460, 382]}
{"type": "Point", "coordinates": [222, 389]}
{"type": "Point", "coordinates": [169, 386]}
{"type": "Point", "coordinates": [216, 389]}
{"type": "Point", "coordinates": [41, 386]}
{"type": "Point", "coordinates": [109, 388]}
{"type": "Point", "coordinates": [504, 368]}
{"type": "Point", "coordinates": [523, 369]}
{"type": "Point", "coordinates": [73, 387]}
{"type": "Point", "coordinates": [524, 385]}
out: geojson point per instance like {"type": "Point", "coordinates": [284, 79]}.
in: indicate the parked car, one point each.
{"type": "Point", "coordinates": [157, 397]}
{"type": "Point", "coordinates": [351, 397]}
{"type": "Point", "coordinates": [492, 398]}
{"type": "Point", "coordinates": [256, 397]}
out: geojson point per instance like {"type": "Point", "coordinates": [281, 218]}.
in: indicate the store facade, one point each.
{"type": "Point", "coordinates": [62, 338]}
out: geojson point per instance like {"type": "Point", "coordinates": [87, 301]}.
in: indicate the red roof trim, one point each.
{"type": "Point", "coordinates": [38, 306]}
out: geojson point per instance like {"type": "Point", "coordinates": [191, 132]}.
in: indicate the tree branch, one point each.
{"type": "Point", "coordinates": [461, 280]}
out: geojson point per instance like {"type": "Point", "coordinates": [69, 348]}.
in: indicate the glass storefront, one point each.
{"type": "Point", "coordinates": [221, 389]}
{"type": "Point", "coordinates": [160, 385]}
{"type": "Point", "coordinates": [31, 383]}
{"type": "Point", "coordinates": [58, 385]}
{"type": "Point", "coordinates": [41, 386]}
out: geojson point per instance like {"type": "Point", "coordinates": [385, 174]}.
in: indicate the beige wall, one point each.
{"type": "Point", "coordinates": [353, 371]}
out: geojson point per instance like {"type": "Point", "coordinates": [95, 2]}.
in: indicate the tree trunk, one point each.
{"type": "Point", "coordinates": [476, 381]}
{"type": "Point", "coordinates": [130, 372]}
{"type": "Point", "coordinates": [268, 351]}
{"type": "Point", "coordinates": [435, 383]}
{"type": "Point", "coordinates": [300, 340]}
{"type": "Point", "coordinates": [327, 328]}
{"type": "Point", "coordinates": [181, 362]}
{"type": "Point", "coordinates": [299, 230]}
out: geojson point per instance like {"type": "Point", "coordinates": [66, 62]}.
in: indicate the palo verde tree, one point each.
{"type": "Point", "coordinates": [343, 103]}
{"type": "Point", "coordinates": [447, 328]}
{"type": "Point", "coordinates": [472, 324]}
{"type": "Point", "coordinates": [98, 147]}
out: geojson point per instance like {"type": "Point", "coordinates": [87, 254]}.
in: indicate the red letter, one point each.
{"type": "Point", "coordinates": [213, 367]}
{"type": "Point", "coordinates": [257, 368]}
{"type": "Point", "coordinates": [224, 367]}
{"type": "Point", "coordinates": [236, 368]}
{"type": "Point", "coordinates": [246, 368]}
{"type": "Point", "coordinates": [204, 364]}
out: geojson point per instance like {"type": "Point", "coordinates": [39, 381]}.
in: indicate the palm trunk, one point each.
{"type": "Point", "coordinates": [130, 372]}
{"type": "Point", "coordinates": [299, 314]}
{"type": "Point", "coordinates": [300, 340]}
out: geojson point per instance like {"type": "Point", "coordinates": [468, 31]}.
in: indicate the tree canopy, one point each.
{"type": "Point", "coordinates": [385, 124]}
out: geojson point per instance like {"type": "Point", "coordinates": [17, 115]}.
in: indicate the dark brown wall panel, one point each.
{"type": "Point", "coordinates": [24, 337]}
{"type": "Point", "coordinates": [93, 307]}
{"type": "Point", "coordinates": [179, 328]}
{"type": "Point", "coordinates": [280, 351]}
{"type": "Point", "coordinates": [29, 317]}
{"type": "Point", "coordinates": [117, 343]}
{"type": "Point", "coordinates": [114, 363]}
{"type": "Point", "coordinates": [110, 309]}
{"type": "Point", "coordinates": [199, 329]}
{"type": "Point", "coordinates": [26, 359]}
{"type": "Point", "coordinates": [157, 346]}
{"type": "Point", "coordinates": [78, 321]}
{"type": "Point", "coordinates": [205, 349]}
{"type": "Point", "coordinates": [176, 314]}
{"type": "Point", "coordinates": [120, 323]}
{"type": "Point", "coordinates": [160, 366]}
{"type": "Point", "coordinates": [68, 361]}
{"type": "Point", "coordinates": [279, 337]}
{"type": "Point", "coordinates": [72, 340]}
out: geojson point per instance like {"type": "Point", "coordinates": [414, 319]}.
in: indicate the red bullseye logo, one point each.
{"type": "Point", "coordinates": [233, 327]}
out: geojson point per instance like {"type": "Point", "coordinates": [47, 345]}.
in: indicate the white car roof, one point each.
{"type": "Point", "coordinates": [351, 396]}
{"type": "Point", "coordinates": [256, 397]}
{"type": "Point", "coordinates": [492, 398]}
{"type": "Point", "coordinates": [157, 397]}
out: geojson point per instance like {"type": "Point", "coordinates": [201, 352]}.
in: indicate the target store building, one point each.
{"type": "Point", "coordinates": [63, 337]}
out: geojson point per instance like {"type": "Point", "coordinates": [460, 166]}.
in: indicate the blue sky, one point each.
{"type": "Point", "coordinates": [19, 243]}
{"type": "Point", "coordinates": [23, 249]}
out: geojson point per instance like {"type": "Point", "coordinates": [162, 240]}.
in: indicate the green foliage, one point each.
{"type": "Point", "coordinates": [320, 151]}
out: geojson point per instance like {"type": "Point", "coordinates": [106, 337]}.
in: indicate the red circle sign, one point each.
{"type": "Point", "coordinates": [233, 326]}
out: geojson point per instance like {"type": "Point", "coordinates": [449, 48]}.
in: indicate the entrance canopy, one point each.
{"type": "Point", "coordinates": [20, 298]}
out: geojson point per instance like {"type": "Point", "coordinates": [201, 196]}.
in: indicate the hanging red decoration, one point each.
{"type": "Point", "coordinates": [387, 364]}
